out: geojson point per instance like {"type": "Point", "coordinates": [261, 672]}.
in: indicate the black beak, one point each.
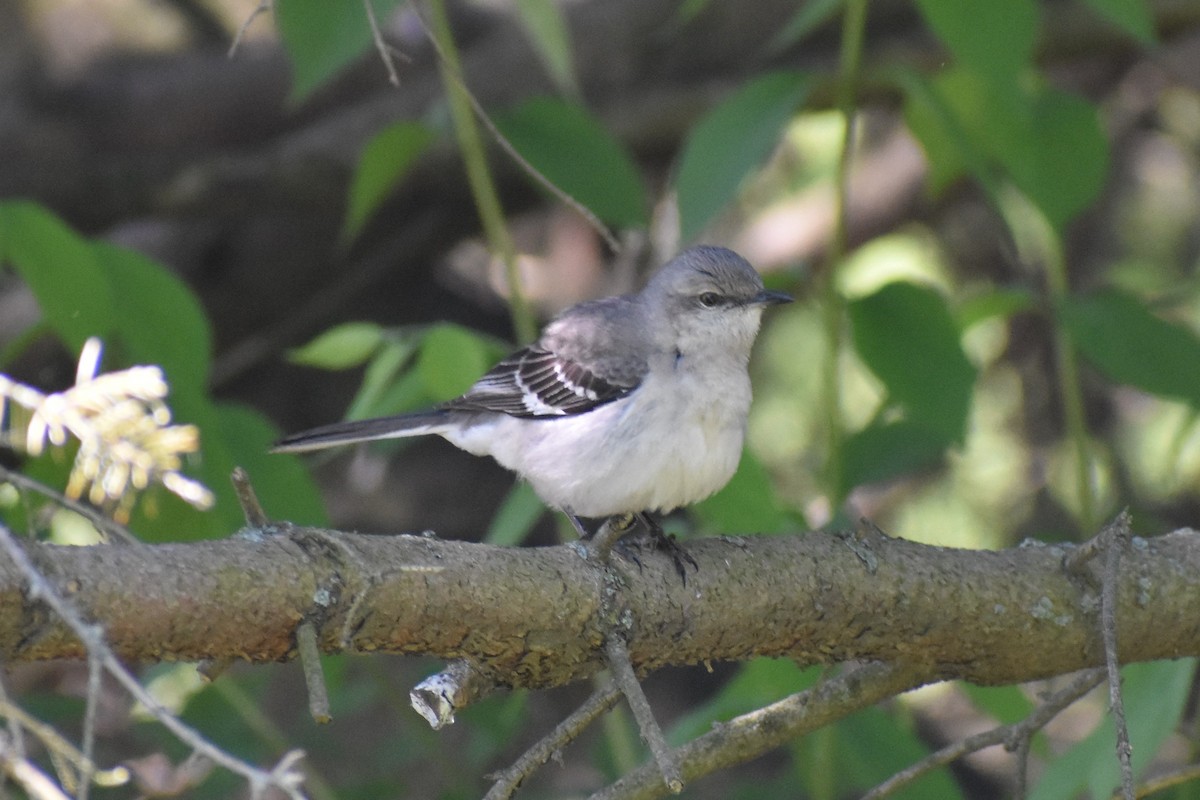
{"type": "Point", "coordinates": [768, 298]}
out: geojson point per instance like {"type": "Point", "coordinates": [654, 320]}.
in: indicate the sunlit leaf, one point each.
{"type": "Point", "coordinates": [730, 142]}
{"type": "Point", "coordinates": [905, 334]}
{"type": "Point", "coordinates": [347, 345]}
{"type": "Point", "coordinates": [1002, 303]}
{"type": "Point", "coordinates": [386, 371]}
{"type": "Point", "coordinates": [808, 17]}
{"type": "Point", "coordinates": [452, 358]}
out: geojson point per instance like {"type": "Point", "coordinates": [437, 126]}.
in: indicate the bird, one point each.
{"type": "Point", "coordinates": [625, 406]}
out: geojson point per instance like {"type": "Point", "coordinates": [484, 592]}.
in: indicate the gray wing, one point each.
{"type": "Point", "coordinates": [535, 382]}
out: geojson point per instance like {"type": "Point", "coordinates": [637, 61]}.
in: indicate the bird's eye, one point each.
{"type": "Point", "coordinates": [709, 299]}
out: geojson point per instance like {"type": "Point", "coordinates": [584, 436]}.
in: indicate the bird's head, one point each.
{"type": "Point", "coordinates": [712, 299]}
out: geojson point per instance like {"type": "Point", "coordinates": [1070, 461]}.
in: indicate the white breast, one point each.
{"type": "Point", "coordinates": [669, 444]}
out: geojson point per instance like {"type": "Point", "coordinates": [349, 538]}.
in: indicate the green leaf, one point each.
{"type": "Point", "coordinates": [544, 21]}
{"type": "Point", "coordinates": [992, 38]}
{"type": "Point", "coordinates": [281, 481]}
{"type": "Point", "coordinates": [1154, 694]}
{"type": "Point", "coordinates": [746, 504]}
{"type": "Point", "coordinates": [1063, 162]}
{"type": "Point", "coordinates": [61, 269]}
{"type": "Point", "coordinates": [341, 347]}
{"type": "Point", "coordinates": [563, 142]}
{"type": "Point", "coordinates": [905, 334]}
{"type": "Point", "coordinates": [807, 18]}
{"type": "Point", "coordinates": [1130, 345]}
{"type": "Point", "coordinates": [516, 516]}
{"type": "Point", "coordinates": [384, 371]}
{"type": "Point", "coordinates": [1003, 303]}
{"type": "Point", "coordinates": [158, 319]}
{"type": "Point", "coordinates": [1049, 142]}
{"type": "Point", "coordinates": [1132, 15]}
{"type": "Point", "coordinates": [871, 746]}
{"type": "Point", "coordinates": [322, 37]}
{"type": "Point", "coordinates": [452, 358]}
{"type": "Point", "coordinates": [730, 142]}
{"type": "Point", "coordinates": [1007, 704]}
{"type": "Point", "coordinates": [939, 112]}
{"type": "Point", "coordinates": [385, 159]}
{"type": "Point", "coordinates": [884, 451]}
{"type": "Point", "coordinates": [756, 684]}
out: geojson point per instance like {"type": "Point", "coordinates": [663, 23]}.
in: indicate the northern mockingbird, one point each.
{"type": "Point", "coordinates": [624, 406]}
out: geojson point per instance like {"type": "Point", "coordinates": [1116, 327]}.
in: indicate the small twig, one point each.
{"type": "Point", "coordinates": [248, 500]}
{"type": "Point", "coordinates": [314, 675]}
{"type": "Point", "coordinates": [479, 173]}
{"type": "Point", "coordinates": [16, 737]}
{"type": "Point", "coordinates": [87, 765]}
{"type": "Point", "coordinates": [1112, 543]}
{"type": "Point", "coordinates": [1116, 535]}
{"type": "Point", "coordinates": [579, 208]}
{"type": "Point", "coordinates": [103, 524]}
{"type": "Point", "coordinates": [284, 776]}
{"type": "Point", "coordinates": [1014, 737]}
{"type": "Point", "coordinates": [1021, 779]}
{"type": "Point", "coordinates": [752, 734]}
{"type": "Point", "coordinates": [616, 653]}
{"type": "Point", "coordinates": [510, 779]}
{"type": "Point", "coordinates": [212, 668]}
{"type": "Point", "coordinates": [62, 750]}
{"type": "Point", "coordinates": [457, 686]}
{"type": "Point", "coordinates": [262, 7]}
{"type": "Point", "coordinates": [385, 52]}
{"type": "Point", "coordinates": [1189, 772]}
{"type": "Point", "coordinates": [1078, 557]}
{"type": "Point", "coordinates": [36, 783]}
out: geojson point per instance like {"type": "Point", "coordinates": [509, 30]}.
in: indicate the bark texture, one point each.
{"type": "Point", "coordinates": [537, 617]}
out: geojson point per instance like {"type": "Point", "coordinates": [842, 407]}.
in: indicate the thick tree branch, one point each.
{"type": "Point", "coordinates": [531, 615]}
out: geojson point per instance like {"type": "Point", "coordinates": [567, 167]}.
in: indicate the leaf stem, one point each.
{"type": "Point", "coordinates": [833, 309]}
{"type": "Point", "coordinates": [479, 176]}
{"type": "Point", "coordinates": [1068, 383]}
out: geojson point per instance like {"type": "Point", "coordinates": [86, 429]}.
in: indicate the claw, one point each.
{"type": "Point", "coordinates": [667, 542]}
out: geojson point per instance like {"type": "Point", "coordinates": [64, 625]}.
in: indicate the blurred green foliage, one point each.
{"type": "Point", "coordinates": [144, 315]}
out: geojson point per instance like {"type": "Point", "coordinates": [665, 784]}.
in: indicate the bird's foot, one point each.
{"type": "Point", "coordinates": [669, 544]}
{"type": "Point", "coordinates": [606, 538]}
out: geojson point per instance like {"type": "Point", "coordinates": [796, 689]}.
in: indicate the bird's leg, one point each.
{"type": "Point", "coordinates": [609, 536]}
{"type": "Point", "coordinates": [577, 523]}
{"type": "Point", "coordinates": [669, 543]}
